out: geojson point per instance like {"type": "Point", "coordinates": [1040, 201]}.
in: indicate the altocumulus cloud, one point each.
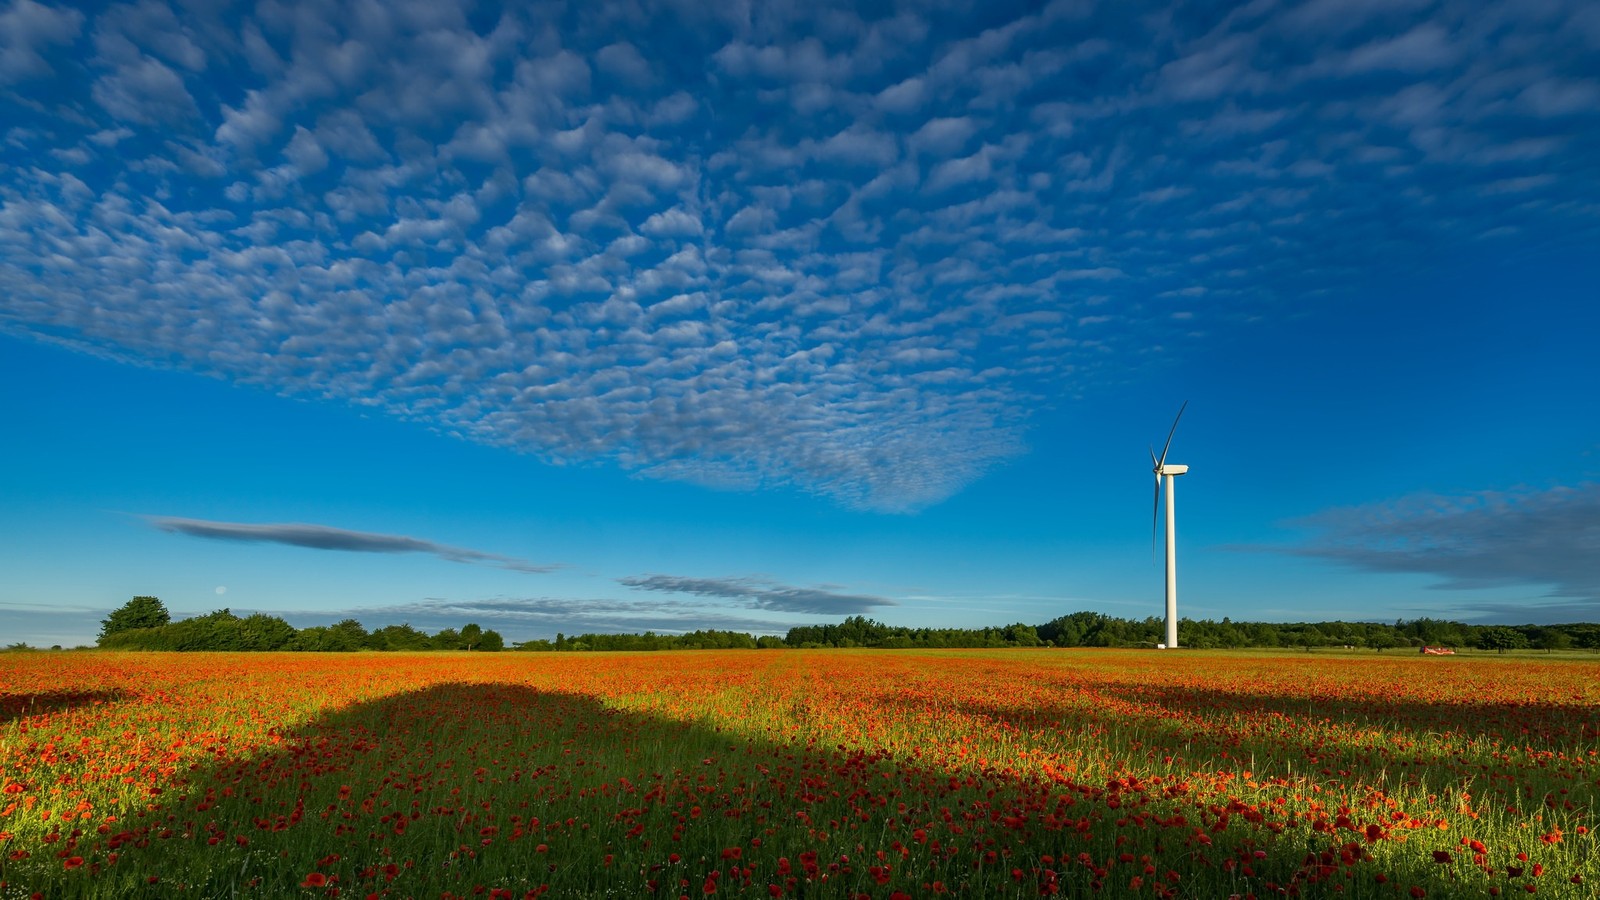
{"type": "Point", "coordinates": [759, 594]}
{"type": "Point", "coordinates": [1489, 539]}
{"type": "Point", "coordinates": [813, 246]}
{"type": "Point", "coordinates": [324, 537]}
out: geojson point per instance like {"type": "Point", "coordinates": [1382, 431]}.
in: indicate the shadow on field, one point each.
{"type": "Point", "coordinates": [1555, 726]}
{"type": "Point", "coordinates": [461, 789]}
{"type": "Point", "coordinates": [394, 793]}
{"type": "Point", "coordinates": [1397, 741]}
{"type": "Point", "coordinates": [15, 706]}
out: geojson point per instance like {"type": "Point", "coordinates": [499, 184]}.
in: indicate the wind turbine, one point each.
{"type": "Point", "coordinates": [1163, 470]}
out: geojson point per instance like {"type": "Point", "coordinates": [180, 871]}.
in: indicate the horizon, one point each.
{"type": "Point", "coordinates": [373, 628]}
{"type": "Point", "coordinates": [612, 319]}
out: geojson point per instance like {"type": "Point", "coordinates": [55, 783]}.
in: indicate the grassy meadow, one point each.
{"type": "Point", "coordinates": [880, 774]}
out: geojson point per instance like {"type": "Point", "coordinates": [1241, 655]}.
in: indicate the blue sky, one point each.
{"type": "Point", "coordinates": [616, 316]}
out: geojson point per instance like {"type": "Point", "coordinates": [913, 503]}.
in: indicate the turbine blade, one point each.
{"type": "Point", "coordinates": [1168, 445]}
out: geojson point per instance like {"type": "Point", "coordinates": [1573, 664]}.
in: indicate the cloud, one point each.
{"type": "Point", "coordinates": [483, 221]}
{"type": "Point", "coordinates": [524, 618]}
{"type": "Point", "coordinates": [27, 31]}
{"type": "Point", "coordinates": [1491, 539]}
{"type": "Point", "coordinates": [757, 594]}
{"type": "Point", "coordinates": [943, 137]}
{"type": "Point", "coordinates": [622, 60]}
{"type": "Point", "coordinates": [1425, 47]}
{"type": "Point", "coordinates": [146, 92]}
{"type": "Point", "coordinates": [1525, 612]}
{"type": "Point", "coordinates": [901, 98]}
{"type": "Point", "coordinates": [323, 537]}
{"type": "Point", "coordinates": [40, 625]}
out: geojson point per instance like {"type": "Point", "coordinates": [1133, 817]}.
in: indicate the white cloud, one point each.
{"type": "Point", "coordinates": [901, 98]}
{"type": "Point", "coordinates": [610, 239]}
{"type": "Point", "coordinates": [1537, 538]}
{"type": "Point", "coordinates": [27, 31]}
{"type": "Point", "coordinates": [674, 222]}
{"type": "Point", "coordinates": [674, 109]}
{"type": "Point", "coordinates": [145, 92]}
{"type": "Point", "coordinates": [325, 537]}
{"type": "Point", "coordinates": [155, 28]}
{"type": "Point", "coordinates": [762, 594]}
{"type": "Point", "coordinates": [624, 62]}
{"type": "Point", "coordinates": [305, 153]}
{"type": "Point", "coordinates": [943, 137]}
{"type": "Point", "coordinates": [859, 146]}
{"type": "Point", "coordinates": [1422, 48]}
{"type": "Point", "coordinates": [952, 172]}
{"type": "Point", "coordinates": [1561, 97]}
{"type": "Point", "coordinates": [524, 618]}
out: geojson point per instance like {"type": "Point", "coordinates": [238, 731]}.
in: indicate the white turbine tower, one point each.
{"type": "Point", "coordinates": [1167, 472]}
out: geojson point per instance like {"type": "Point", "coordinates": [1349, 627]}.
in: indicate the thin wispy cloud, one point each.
{"type": "Point", "coordinates": [758, 594]}
{"type": "Point", "coordinates": [47, 608]}
{"type": "Point", "coordinates": [814, 247]}
{"type": "Point", "coordinates": [1545, 540]}
{"type": "Point", "coordinates": [519, 618]}
{"type": "Point", "coordinates": [324, 537]}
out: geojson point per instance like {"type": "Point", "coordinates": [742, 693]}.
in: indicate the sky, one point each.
{"type": "Point", "coordinates": [626, 316]}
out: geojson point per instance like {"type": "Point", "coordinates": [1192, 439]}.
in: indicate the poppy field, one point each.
{"type": "Point", "coordinates": [822, 774]}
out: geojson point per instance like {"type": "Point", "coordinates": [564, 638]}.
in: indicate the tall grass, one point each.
{"type": "Point", "coordinates": [802, 774]}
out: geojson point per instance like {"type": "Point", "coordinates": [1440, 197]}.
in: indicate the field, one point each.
{"type": "Point", "coordinates": [797, 774]}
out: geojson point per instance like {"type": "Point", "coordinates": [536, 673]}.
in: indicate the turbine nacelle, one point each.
{"type": "Point", "coordinates": [1172, 470]}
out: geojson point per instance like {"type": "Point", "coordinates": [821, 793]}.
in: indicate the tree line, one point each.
{"type": "Point", "coordinates": [144, 624]}
{"type": "Point", "coordinates": [1092, 629]}
{"type": "Point", "coordinates": [710, 639]}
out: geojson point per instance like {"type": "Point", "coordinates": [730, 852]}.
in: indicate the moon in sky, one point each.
{"type": "Point", "coordinates": [221, 590]}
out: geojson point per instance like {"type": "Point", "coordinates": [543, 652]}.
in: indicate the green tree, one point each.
{"type": "Point", "coordinates": [140, 612]}
{"type": "Point", "coordinates": [263, 632]}
{"type": "Point", "coordinates": [1548, 639]}
{"type": "Point", "coordinates": [491, 642]}
{"type": "Point", "coordinates": [217, 630]}
{"type": "Point", "coordinates": [1020, 634]}
{"type": "Point", "coordinates": [398, 637]}
{"type": "Point", "coordinates": [346, 635]}
{"type": "Point", "coordinates": [471, 635]}
{"type": "Point", "coordinates": [313, 639]}
{"type": "Point", "coordinates": [1500, 638]}
{"type": "Point", "coordinates": [1383, 640]}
